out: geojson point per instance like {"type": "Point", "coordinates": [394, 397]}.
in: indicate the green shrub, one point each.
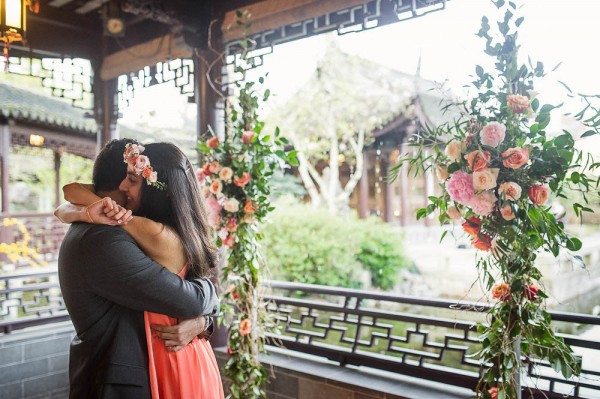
{"type": "Point", "coordinates": [308, 245]}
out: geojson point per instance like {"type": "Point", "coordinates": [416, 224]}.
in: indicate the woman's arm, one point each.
{"type": "Point", "coordinates": [159, 242]}
{"type": "Point", "coordinates": [80, 194]}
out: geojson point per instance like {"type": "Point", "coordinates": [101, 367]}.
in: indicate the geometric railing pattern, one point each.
{"type": "Point", "coordinates": [420, 337]}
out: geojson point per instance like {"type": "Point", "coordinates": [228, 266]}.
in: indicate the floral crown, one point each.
{"type": "Point", "coordinates": [141, 165]}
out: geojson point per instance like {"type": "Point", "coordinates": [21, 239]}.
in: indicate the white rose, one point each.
{"type": "Point", "coordinates": [223, 234]}
{"type": "Point", "coordinates": [512, 191]}
{"type": "Point", "coordinates": [232, 205]}
{"type": "Point", "coordinates": [485, 179]}
{"type": "Point", "coordinates": [453, 150]}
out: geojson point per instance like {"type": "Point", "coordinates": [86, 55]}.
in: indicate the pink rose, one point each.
{"type": "Point", "coordinates": [247, 137]}
{"type": "Point", "coordinates": [216, 186]}
{"type": "Point", "coordinates": [213, 209]}
{"type": "Point", "coordinates": [484, 203]}
{"type": "Point", "coordinates": [507, 212]}
{"type": "Point", "coordinates": [517, 104]}
{"type": "Point", "coordinates": [229, 241]}
{"type": "Point", "coordinates": [493, 134]}
{"type": "Point", "coordinates": [538, 194]}
{"type": "Point", "coordinates": [514, 158]}
{"type": "Point", "coordinates": [531, 292]}
{"type": "Point", "coordinates": [511, 190]}
{"type": "Point", "coordinates": [478, 160]}
{"type": "Point", "coordinates": [231, 225]}
{"type": "Point", "coordinates": [453, 150]}
{"type": "Point", "coordinates": [493, 391]}
{"type": "Point", "coordinates": [242, 181]}
{"type": "Point", "coordinates": [141, 163]}
{"type": "Point", "coordinates": [453, 213]}
{"type": "Point", "coordinates": [225, 174]}
{"type": "Point", "coordinates": [485, 179]}
{"type": "Point", "coordinates": [200, 175]}
{"type": "Point", "coordinates": [212, 142]}
{"type": "Point", "coordinates": [460, 187]}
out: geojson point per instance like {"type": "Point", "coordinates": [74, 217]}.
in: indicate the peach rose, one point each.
{"type": "Point", "coordinates": [482, 242]}
{"type": "Point", "coordinates": [493, 134]}
{"type": "Point", "coordinates": [514, 158]}
{"type": "Point", "coordinates": [214, 167]}
{"type": "Point", "coordinates": [478, 160]}
{"type": "Point", "coordinates": [453, 150]}
{"type": "Point", "coordinates": [231, 205]}
{"type": "Point", "coordinates": [248, 219]}
{"type": "Point", "coordinates": [216, 186]}
{"type": "Point", "coordinates": [512, 191]}
{"type": "Point", "coordinates": [250, 207]}
{"type": "Point", "coordinates": [517, 104]}
{"type": "Point", "coordinates": [501, 291]}
{"type": "Point", "coordinates": [507, 213]}
{"type": "Point", "coordinates": [442, 172]}
{"type": "Point", "coordinates": [472, 226]}
{"type": "Point", "coordinates": [538, 194]}
{"type": "Point", "coordinates": [225, 174]}
{"type": "Point", "coordinates": [485, 179]}
{"type": "Point", "coordinates": [245, 327]}
{"type": "Point", "coordinates": [247, 137]}
{"type": "Point", "coordinates": [141, 163]}
{"type": "Point", "coordinates": [453, 213]}
{"type": "Point", "coordinates": [213, 142]}
{"type": "Point", "coordinates": [241, 181]}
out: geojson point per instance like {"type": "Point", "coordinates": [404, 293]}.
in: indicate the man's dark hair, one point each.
{"type": "Point", "coordinates": [109, 168]}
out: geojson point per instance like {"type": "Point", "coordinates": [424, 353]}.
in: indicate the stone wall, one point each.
{"type": "Point", "coordinates": [34, 363]}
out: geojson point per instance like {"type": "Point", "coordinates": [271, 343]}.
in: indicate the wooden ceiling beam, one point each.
{"type": "Point", "coordinates": [271, 14]}
{"type": "Point", "coordinates": [139, 56]}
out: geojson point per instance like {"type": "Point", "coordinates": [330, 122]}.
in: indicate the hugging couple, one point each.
{"type": "Point", "coordinates": [133, 270]}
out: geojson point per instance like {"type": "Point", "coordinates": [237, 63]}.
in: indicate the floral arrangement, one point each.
{"type": "Point", "coordinates": [497, 172]}
{"type": "Point", "coordinates": [141, 165]}
{"type": "Point", "coordinates": [19, 251]}
{"type": "Point", "coordinates": [235, 177]}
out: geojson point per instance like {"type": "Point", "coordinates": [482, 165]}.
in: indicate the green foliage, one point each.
{"type": "Point", "coordinates": [310, 245]}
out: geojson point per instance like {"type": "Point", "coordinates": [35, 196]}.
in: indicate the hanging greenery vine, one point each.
{"type": "Point", "coordinates": [498, 168]}
{"type": "Point", "coordinates": [236, 176]}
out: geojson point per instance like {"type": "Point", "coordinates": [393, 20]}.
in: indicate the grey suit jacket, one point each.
{"type": "Point", "coordinates": [107, 282]}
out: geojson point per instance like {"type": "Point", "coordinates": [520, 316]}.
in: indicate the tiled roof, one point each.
{"type": "Point", "coordinates": [25, 105]}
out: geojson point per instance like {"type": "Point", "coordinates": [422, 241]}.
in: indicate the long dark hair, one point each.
{"type": "Point", "coordinates": [180, 206]}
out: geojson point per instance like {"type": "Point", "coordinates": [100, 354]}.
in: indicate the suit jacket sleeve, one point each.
{"type": "Point", "coordinates": [118, 270]}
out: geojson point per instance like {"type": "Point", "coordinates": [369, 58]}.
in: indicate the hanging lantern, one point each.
{"type": "Point", "coordinates": [12, 20]}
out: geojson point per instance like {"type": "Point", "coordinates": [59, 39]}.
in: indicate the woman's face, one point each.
{"type": "Point", "coordinates": [131, 186]}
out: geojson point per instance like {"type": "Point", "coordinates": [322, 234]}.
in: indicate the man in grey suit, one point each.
{"type": "Point", "coordinates": [107, 283]}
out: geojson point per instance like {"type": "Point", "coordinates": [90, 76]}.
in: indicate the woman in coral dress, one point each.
{"type": "Point", "coordinates": [171, 227]}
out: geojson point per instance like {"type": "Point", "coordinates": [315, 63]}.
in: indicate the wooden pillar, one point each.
{"type": "Point", "coordinates": [4, 173]}
{"type": "Point", "coordinates": [57, 188]}
{"type": "Point", "coordinates": [363, 189]}
{"type": "Point", "coordinates": [404, 196]}
{"type": "Point", "coordinates": [388, 191]}
{"type": "Point", "coordinates": [105, 92]}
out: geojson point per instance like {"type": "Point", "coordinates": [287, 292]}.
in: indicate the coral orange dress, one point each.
{"type": "Point", "coordinates": [190, 373]}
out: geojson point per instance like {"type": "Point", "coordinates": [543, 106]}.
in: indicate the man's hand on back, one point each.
{"type": "Point", "coordinates": [177, 336]}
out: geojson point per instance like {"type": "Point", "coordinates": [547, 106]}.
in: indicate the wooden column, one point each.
{"type": "Point", "coordinates": [57, 188]}
{"type": "Point", "coordinates": [4, 173]}
{"type": "Point", "coordinates": [363, 189]}
{"type": "Point", "coordinates": [388, 191]}
{"type": "Point", "coordinates": [404, 196]}
{"type": "Point", "coordinates": [105, 92]}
